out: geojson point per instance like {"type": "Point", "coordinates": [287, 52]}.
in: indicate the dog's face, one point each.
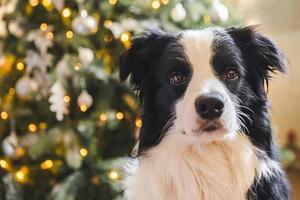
{"type": "Point", "coordinates": [207, 84]}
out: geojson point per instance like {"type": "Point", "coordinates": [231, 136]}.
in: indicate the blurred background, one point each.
{"type": "Point", "coordinates": [66, 122]}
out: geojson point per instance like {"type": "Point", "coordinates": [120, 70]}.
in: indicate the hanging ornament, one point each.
{"type": "Point", "coordinates": [57, 100]}
{"type": "Point", "coordinates": [178, 13]}
{"type": "Point", "coordinates": [15, 29]}
{"type": "Point", "coordinates": [218, 11]}
{"type": "Point", "coordinates": [84, 24]}
{"type": "Point", "coordinates": [26, 87]}
{"type": "Point", "coordinates": [84, 101]}
{"type": "Point", "coordinates": [86, 55]}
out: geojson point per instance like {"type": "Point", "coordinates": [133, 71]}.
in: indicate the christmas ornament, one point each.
{"type": "Point", "coordinates": [84, 24]}
{"type": "Point", "coordinates": [10, 144]}
{"type": "Point", "coordinates": [56, 99]}
{"type": "Point", "coordinates": [35, 60]}
{"type": "Point", "coordinates": [86, 55]}
{"type": "Point", "coordinates": [218, 11]}
{"type": "Point", "coordinates": [178, 13]}
{"type": "Point", "coordinates": [62, 69]}
{"type": "Point", "coordinates": [40, 39]}
{"type": "Point", "coordinates": [84, 100]}
{"type": "Point", "coordinates": [15, 29]}
{"type": "Point", "coordinates": [26, 87]}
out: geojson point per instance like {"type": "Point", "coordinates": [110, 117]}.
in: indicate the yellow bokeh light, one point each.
{"type": "Point", "coordinates": [33, 2]}
{"type": "Point", "coordinates": [47, 164]}
{"type": "Point", "coordinates": [125, 37]}
{"type": "Point", "coordinates": [46, 3]}
{"type": "Point", "coordinates": [165, 2]}
{"type": "Point", "coordinates": [207, 19]}
{"type": "Point", "coordinates": [155, 4]}
{"type": "Point", "coordinates": [11, 91]}
{"type": "Point", "coordinates": [69, 34]}
{"type": "Point", "coordinates": [20, 66]}
{"type": "Point", "coordinates": [119, 115]}
{"type": "Point", "coordinates": [42, 125]}
{"type": "Point", "coordinates": [20, 151]}
{"type": "Point", "coordinates": [83, 108]}
{"type": "Point", "coordinates": [138, 123]}
{"type": "Point", "coordinates": [21, 175]}
{"type": "Point", "coordinates": [32, 127]}
{"type": "Point", "coordinates": [67, 99]}
{"type": "Point", "coordinates": [43, 26]}
{"type": "Point", "coordinates": [66, 12]}
{"type": "Point", "coordinates": [114, 175]}
{"type": "Point", "coordinates": [4, 164]}
{"type": "Point", "coordinates": [103, 117]}
{"type": "Point", "coordinates": [107, 23]}
{"type": "Point", "coordinates": [50, 35]}
{"type": "Point", "coordinates": [4, 115]}
{"type": "Point", "coordinates": [112, 2]}
{"type": "Point", "coordinates": [83, 152]}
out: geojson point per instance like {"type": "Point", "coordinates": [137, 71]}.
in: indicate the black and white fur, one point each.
{"type": "Point", "coordinates": [185, 155]}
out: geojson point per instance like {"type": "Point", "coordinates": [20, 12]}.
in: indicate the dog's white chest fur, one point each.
{"type": "Point", "coordinates": [178, 169]}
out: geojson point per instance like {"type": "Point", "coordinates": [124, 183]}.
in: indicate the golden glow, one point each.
{"type": "Point", "coordinates": [33, 2]}
{"type": "Point", "coordinates": [47, 164]}
{"type": "Point", "coordinates": [4, 164]}
{"type": "Point", "coordinates": [112, 2]}
{"type": "Point", "coordinates": [103, 117]}
{"type": "Point", "coordinates": [69, 34]}
{"type": "Point", "coordinates": [125, 37]}
{"type": "Point", "coordinates": [46, 3]}
{"type": "Point", "coordinates": [107, 23]}
{"type": "Point", "coordinates": [83, 152]}
{"type": "Point", "coordinates": [138, 123]}
{"type": "Point", "coordinates": [67, 99]}
{"type": "Point", "coordinates": [66, 12]}
{"type": "Point", "coordinates": [77, 66]}
{"type": "Point", "coordinates": [21, 175]}
{"type": "Point", "coordinates": [50, 35]}
{"type": "Point", "coordinates": [20, 66]}
{"type": "Point", "coordinates": [4, 115]}
{"type": "Point", "coordinates": [32, 127]}
{"type": "Point", "coordinates": [43, 26]}
{"type": "Point", "coordinates": [114, 175]}
{"type": "Point", "coordinates": [42, 125]}
{"type": "Point", "coordinates": [83, 108]}
{"type": "Point", "coordinates": [20, 151]}
{"type": "Point", "coordinates": [11, 91]}
{"type": "Point", "coordinates": [108, 38]}
{"type": "Point", "coordinates": [207, 19]}
{"type": "Point", "coordinates": [155, 4]}
{"type": "Point", "coordinates": [119, 115]}
{"type": "Point", "coordinates": [165, 2]}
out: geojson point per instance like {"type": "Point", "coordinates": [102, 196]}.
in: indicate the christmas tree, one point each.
{"type": "Point", "coordinates": [66, 121]}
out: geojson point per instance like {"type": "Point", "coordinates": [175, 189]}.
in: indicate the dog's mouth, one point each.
{"type": "Point", "coordinates": [209, 126]}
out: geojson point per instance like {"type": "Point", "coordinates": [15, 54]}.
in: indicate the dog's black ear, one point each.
{"type": "Point", "coordinates": [144, 51]}
{"type": "Point", "coordinates": [259, 51]}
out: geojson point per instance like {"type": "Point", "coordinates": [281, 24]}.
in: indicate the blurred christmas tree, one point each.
{"type": "Point", "coordinates": [65, 118]}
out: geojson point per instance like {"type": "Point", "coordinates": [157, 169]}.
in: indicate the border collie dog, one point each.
{"type": "Point", "coordinates": [206, 133]}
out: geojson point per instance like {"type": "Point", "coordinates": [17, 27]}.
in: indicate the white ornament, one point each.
{"type": "Point", "coordinates": [218, 11]}
{"type": "Point", "coordinates": [85, 99]}
{"type": "Point", "coordinates": [15, 29]}
{"type": "Point", "coordinates": [25, 87]}
{"type": "Point", "coordinates": [34, 59]}
{"type": "Point", "coordinates": [178, 13]}
{"type": "Point", "coordinates": [40, 39]}
{"type": "Point", "coordinates": [58, 4]}
{"type": "Point", "coordinates": [9, 145]}
{"type": "Point", "coordinates": [86, 55]}
{"type": "Point", "coordinates": [56, 99]}
{"type": "Point", "coordinates": [62, 69]}
{"type": "Point", "coordinates": [84, 24]}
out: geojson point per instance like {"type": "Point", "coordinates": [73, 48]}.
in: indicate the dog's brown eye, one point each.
{"type": "Point", "coordinates": [177, 78]}
{"type": "Point", "coordinates": [231, 74]}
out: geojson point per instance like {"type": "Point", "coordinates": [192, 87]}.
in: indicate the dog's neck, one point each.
{"type": "Point", "coordinates": [179, 168]}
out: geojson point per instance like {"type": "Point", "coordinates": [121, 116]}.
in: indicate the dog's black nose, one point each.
{"type": "Point", "coordinates": [209, 106]}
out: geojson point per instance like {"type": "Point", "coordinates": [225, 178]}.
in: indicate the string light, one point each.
{"type": "Point", "coordinates": [138, 123]}
{"type": "Point", "coordinates": [112, 2]}
{"type": "Point", "coordinates": [32, 127]}
{"type": "Point", "coordinates": [107, 23]}
{"type": "Point", "coordinates": [42, 125]}
{"type": "Point", "coordinates": [119, 115]}
{"type": "Point", "coordinates": [4, 115]}
{"type": "Point", "coordinates": [11, 91]}
{"type": "Point", "coordinates": [125, 37]}
{"type": "Point", "coordinates": [46, 3]}
{"type": "Point", "coordinates": [50, 35]}
{"type": "Point", "coordinates": [66, 12]}
{"type": "Point", "coordinates": [69, 34]}
{"type": "Point", "coordinates": [77, 66]}
{"type": "Point", "coordinates": [114, 175]}
{"type": "Point", "coordinates": [67, 99]}
{"type": "Point", "coordinates": [165, 2]}
{"type": "Point", "coordinates": [83, 152]}
{"type": "Point", "coordinates": [83, 107]}
{"type": "Point", "coordinates": [20, 66]}
{"type": "Point", "coordinates": [21, 175]}
{"type": "Point", "coordinates": [4, 164]}
{"type": "Point", "coordinates": [34, 3]}
{"type": "Point", "coordinates": [20, 151]}
{"type": "Point", "coordinates": [155, 4]}
{"type": "Point", "coordinates": [103, 117]}
{"type": "Point", "coordinates": [43, 26]}
{"type": "Point", "coordinates": [47, 164]}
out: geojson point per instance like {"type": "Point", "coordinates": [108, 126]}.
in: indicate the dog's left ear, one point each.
{"type": "Point", "coordinates": [259, 51]}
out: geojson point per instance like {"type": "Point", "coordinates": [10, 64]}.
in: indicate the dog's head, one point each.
{"type": "Point", "coordinates": [207, 84]}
